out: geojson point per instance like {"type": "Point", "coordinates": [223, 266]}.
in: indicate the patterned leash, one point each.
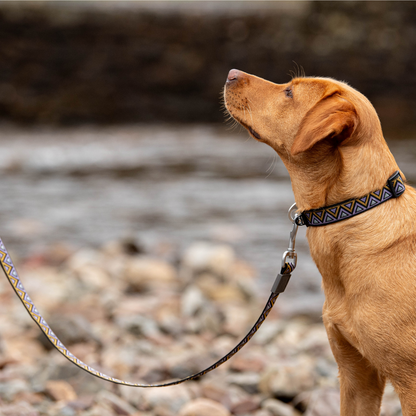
{"type": "Point", "coordinates": [289, 261]}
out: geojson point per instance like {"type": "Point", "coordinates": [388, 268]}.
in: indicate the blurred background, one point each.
{"type": "Point", "coordinates": [114, 145]}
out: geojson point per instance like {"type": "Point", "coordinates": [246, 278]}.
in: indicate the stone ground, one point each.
{"type": "Point", "coordinates": [145, 319]}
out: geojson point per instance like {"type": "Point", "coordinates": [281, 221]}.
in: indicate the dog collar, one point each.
{"type": "Point", "coordinates": [352, 207]}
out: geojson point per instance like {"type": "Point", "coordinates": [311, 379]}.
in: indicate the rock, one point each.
{"type": "Point", "coordinates": [60, 390]}
{"type": "Point", "coordinates": [88, 266]}
{"type": "Point", "coordinates": [203, 407]}
{"type": "Point", "coordinates": [262, 412]}
{"type": "Point", "coordinates": [61, 409]}
{"type": "Point", "coordinates": [219, 291]}
{"type": "Point", "coordinates": [169, 399]}
{"type": "Point", "coordinates": [246, 406]}
{"type": "Point", "coordinates": [142, 273]}
{"type": "Point", "coordinates": [322, 402]}
{"type": "Point", "coordinates": [58, 253]}
{"type": "Point", "coordinates": [120, 406]}
{"type": "Point", "coordinates": [29, 397]}
{"type": "Point", "coordinates": [289, 378]}
{"type": "Point", "coordinates": [17, 409]}
{"type": "Point", "coordinates": [216, 391]}
{"type": "Point", "coordinates": [94, 277]}
{"type": "Point", "coordinates": [308, 306]}
{"type": "Point", "coordinates": [101, 409]}
{"type": "Point", "coordinates": [192, 302]}
{"type": "Point", "coordinates": [327, 369]}
{"type": "Point", "coordinates": [10, 388]}
{"type": "Point", "coordinates": [82, 403]}
{"type": "Point", "coordinates": [215, 258]}
{"type": "Point", "coordinates": [237, 320]}
{"type": "Point", "coordinates": [390, 405]}
{"type": "Point", "coordinates": [269, 330]}
{"type": "Point", "coordinates": [249, 361]}
{"type": "Point", "coordinates": [228, 293]}
{"type": "Point", "coordinates": [247, 381]}
{"type": "Point", "coordinates": [140, 326]}
{"type": "Point", "coordinates": [71, 329]}
{"type": "Point", "coordinates": [204, 315]}
{"type": "Point", "coordinates": [278, 408]}
{"type": "Point", "coordinates": [235, 396]}
{"type": "Point", "coordinates": [188, 363]}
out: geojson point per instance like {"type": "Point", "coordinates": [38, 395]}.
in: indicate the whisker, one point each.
{"type": "Point", "coordinates": [270, 169]}
{"type": "Point", "coordinates": [297, 72]}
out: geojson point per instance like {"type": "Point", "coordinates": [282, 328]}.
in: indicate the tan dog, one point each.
{"type": "Point", "coordinates": [329, 137]}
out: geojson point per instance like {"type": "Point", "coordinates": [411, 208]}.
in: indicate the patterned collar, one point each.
{"type": "Point", "coordinates": [352, 207]}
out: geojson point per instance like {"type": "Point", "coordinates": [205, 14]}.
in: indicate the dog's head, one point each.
{"type": "Point", "coordinates": [327, 134]}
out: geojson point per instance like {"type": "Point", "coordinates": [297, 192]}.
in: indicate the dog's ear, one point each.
{"type": "Point", "coordinates": [331, 118]}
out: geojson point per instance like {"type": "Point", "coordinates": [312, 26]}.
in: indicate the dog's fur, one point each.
{"type": "Point", "coordinates": [329, 137]}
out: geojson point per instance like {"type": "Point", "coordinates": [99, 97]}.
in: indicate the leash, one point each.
{"type": "Point", "coordinates": [288, 264]}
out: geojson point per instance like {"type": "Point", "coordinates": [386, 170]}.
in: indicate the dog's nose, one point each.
{"type": "Point", "coordinates": [233, 75]}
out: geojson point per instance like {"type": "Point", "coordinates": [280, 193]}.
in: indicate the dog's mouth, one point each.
{"type": "Point", "coordinates": [229, 106]}
{"type": "Point", "coordinates": [251, 131]}
{"type": "Point", "coordinates": [255, 134]}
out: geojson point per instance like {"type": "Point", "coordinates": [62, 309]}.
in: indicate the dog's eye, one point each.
{"type": "Point", "coordinates": [289, 92]}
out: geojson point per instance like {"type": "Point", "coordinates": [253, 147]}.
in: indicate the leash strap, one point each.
{"type": "Point", "coordinates": [328, 215]}
{"type": "Point", "coordinates": [11, 274]}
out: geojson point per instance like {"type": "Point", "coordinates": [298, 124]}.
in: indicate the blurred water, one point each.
{"type": "Point", "coordinates": [164, 186]}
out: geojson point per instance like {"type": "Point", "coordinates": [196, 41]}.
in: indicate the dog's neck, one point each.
{"type": "Point", "coordinates": [339, 173]}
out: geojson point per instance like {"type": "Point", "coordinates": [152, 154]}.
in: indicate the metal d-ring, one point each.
{"type": "Point", "coordinates": [292, 213]}
{"type": "Point", "coordinates": [290, 253]}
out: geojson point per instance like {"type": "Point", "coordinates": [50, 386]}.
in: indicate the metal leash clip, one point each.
{"type": "Point", "coordinates": [290, 257]}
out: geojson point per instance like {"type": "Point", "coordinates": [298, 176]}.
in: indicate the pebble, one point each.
{"type": "Point", "coordinates": [171, 399]}
{"type": "Point", "coordinates": [215, 258]}
{"type": "Point", "coordinates": [249, 381]}
{"type": "Point", "coordinates": [203, 407]}
{"type": "Point", "coordinates": [71, 329]}
{"type": "Point", "coordinates": [248, 361]}
{"type": "Point", "coordinates": [143, 273]}
{"type": "Point", "coordinates": [11, 388]}
{"type": "Point", "coordinates": [246, 406]}
{"type": "Point", "coordinates": [120, 406]}
{"type": "Point", "coordinates": [323, 402]}
{"type": "Point", "coordinates": [17, 409]}
{"type": "Point", "coordinates": [289, 378]}
{"type": "Point", "coordinates": [193, 301]}
{"type": "Point", "coordinates": [60, 390]}
{"type": "Point", "coordinates": [278, 408]}
{"type": "Point", "coordinates": [138, 325]}
{"type": "Point", "coordinates": [216, 391]}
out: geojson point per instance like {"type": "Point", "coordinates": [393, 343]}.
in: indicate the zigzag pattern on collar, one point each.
{"type": "Point", "coordinates": [328, 215]}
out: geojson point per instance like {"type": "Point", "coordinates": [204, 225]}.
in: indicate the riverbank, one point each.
{"type": "Point", "coordinates": [141, 318]}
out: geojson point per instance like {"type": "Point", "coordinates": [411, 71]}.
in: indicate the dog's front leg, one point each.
{"type": "Point", "coordinates": [361, 384]}
{"type": "Point", "coordinates": [404, 382]}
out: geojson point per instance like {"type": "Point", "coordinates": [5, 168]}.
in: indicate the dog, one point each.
{"type": "Point", "coordinates": [329, 137]}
